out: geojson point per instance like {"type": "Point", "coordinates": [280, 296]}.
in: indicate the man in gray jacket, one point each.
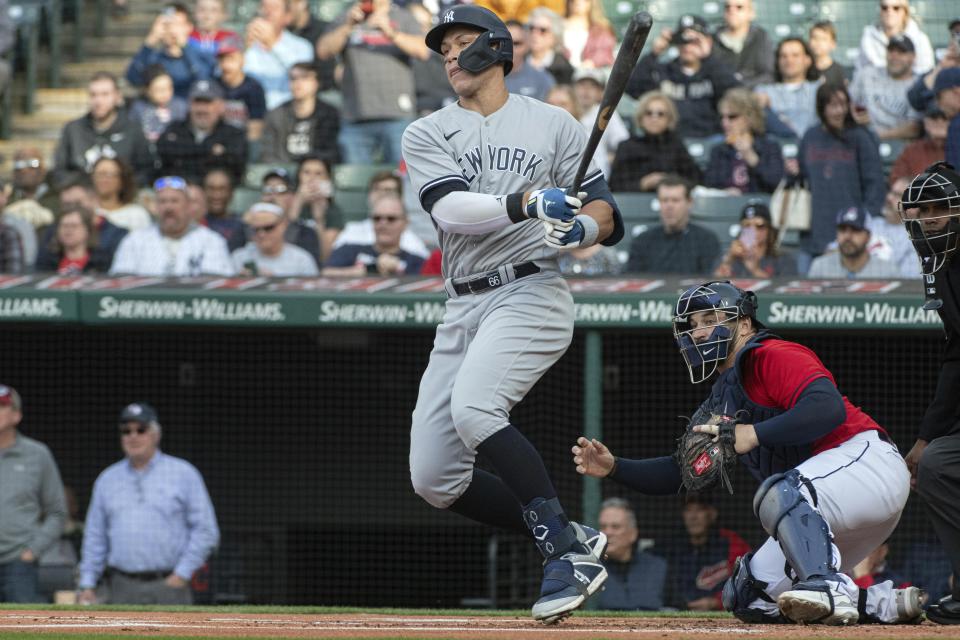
{"type": "Point", "coordinates": [32, 506]}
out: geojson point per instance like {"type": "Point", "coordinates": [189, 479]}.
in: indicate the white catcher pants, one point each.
{"type": "Point", "coordinates": [862, 487]}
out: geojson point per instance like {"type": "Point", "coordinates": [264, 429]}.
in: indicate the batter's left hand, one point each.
{"type": "Point", "coordinates": [745, 436]}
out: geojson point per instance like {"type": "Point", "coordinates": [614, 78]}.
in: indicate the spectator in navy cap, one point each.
{"type": "Point", "coordinates": [852, 260]}
{"type": "Point", "coordinates": [947, 92]}
{"type": "Point", "coordinates": [754, 253]}
{"type": "Point", "coordinates": [879, 95]}
{"type": "Point", "coordinates": [191, 147]}
{"type": "Point", "coordinates": [696, 79]}
{"type": "Point", "coordinates": [150, 524]}
{"type": "Point", "coordinates": [245, 103]}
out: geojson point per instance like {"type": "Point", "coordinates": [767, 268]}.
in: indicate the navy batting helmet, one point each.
{"type": "Point", "coordinates": [481, 53]}
{"type": "Point", "coordinates": [728, 303]}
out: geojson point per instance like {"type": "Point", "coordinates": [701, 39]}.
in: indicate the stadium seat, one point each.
{"type": "Point", "coordinates": [725, 230]}
{"type": "Point", "coordinates": [699, 149]}
{"type": "Point", "coordinates": [26, 22]}
{"type": "Point", "coordinates": [890, 150]}
{"type": "Point", "coordinates": [355, 177]}
{"type": "Point", "coordinates": [256, 171]}
{"type": "Point", "coordinates": [353, 204]}
{"type": "Point", "coordinates": [243, 199]}
{"type": "Point", "coordinates": [725, 208]}
{"type": "Point", "coordinates": [50, 12]}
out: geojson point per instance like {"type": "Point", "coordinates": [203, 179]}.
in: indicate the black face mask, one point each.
{"type": "Point", "coordinates": [936, 250]}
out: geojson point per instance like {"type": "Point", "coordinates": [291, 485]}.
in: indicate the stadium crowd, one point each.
{"type": "Point", "coordinates": [228, 159]}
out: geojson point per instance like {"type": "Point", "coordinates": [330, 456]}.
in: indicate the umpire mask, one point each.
{"type": "Point", "coordinates": [930, 211]}
{"type": "Point", "coordinates": [713, 307]}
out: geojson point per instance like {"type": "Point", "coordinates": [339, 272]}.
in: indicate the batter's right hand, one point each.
{"type": "Point", "coordinates": [592, 458]}
{"type": "Point", "coordinates": [552, 205]}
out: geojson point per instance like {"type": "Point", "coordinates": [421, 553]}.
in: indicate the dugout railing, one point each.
{"type": "Point", "coordinates": [293, 398]}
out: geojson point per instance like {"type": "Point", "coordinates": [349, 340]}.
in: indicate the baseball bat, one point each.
{"type": "Point", "coordinates": [633, 40]}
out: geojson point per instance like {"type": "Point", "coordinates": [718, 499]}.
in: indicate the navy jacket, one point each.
{"type": "Point", "coordinates": [762, 178]}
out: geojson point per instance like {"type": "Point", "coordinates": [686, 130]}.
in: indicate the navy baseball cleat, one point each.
{"type": "Point", "coordinates": [573, 577]}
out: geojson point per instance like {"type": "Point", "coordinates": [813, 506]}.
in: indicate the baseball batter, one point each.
{"type": "Point", "coordinates": [833, 485]}
{"type": "Point", "coordinates": [491, 170]}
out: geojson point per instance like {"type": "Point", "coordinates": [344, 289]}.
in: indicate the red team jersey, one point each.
{"type": "Point", "coordinates": [777, 372]}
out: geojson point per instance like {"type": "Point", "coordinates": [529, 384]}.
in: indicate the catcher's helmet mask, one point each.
{"type": "Point", "coordinates": [930, 210]}
{"type": "Point", "coordinates": [729, 303]}
{"type": "Point", "coordinates": [493, 46]}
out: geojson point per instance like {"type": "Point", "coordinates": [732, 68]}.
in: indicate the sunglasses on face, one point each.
{"type": "Point", "coordinates": [274, 190]}
{"type": "Point", "coordinates": [32, 163]}
{"type": "Point", "coordinates": [391, 219]}
{"type": "Point", "coordinates": [268, 228]}
{"type": "Point", "coordinates": [738, 7]}
{"type": "Point", "coordinates": [891, 7]}
{"type": "Point", "coordinates": [655, 114]}
{"type": "Point", "coordinates": [139, 430]}
{"type": "Point", "coordinates": [534, 27]}
{"type": "Point", "coordinates": [729, 116]}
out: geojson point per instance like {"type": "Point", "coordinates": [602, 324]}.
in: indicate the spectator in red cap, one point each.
{"type": "Point", "coordinates": [244, 101]}
{"type": "Point", "coordinates": [32, 503]}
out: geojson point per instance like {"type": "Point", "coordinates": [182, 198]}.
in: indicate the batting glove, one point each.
{"type": "Point", "coordinates": [553, 205]}
{"type": "Point", "coordinates": [563, 235]}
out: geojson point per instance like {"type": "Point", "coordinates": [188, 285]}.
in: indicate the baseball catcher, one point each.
{"type": "Point", "coordinates": [832, 484]}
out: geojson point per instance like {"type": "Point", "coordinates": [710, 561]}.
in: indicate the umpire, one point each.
{"type": "Point", "coordinates": [930, 210]}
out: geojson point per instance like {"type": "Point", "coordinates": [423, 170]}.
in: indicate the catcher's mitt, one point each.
{"type": "Point", "coordinates": [705, 459]}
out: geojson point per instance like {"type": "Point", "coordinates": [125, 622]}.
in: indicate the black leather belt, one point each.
{"type": "Point", "coordinates": [493, 279]}
{"type": "Point", "coordinates": [142, 576]}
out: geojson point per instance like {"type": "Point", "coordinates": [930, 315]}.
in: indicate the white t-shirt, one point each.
{"type": "Point", "coordinates": [147, 252]}
{"type": "Point", "coordinates": [615, 133]}
{"type": "Point", "coordinates": [292, 261]}
{"type": "Point", "coordinates": [130, 216]}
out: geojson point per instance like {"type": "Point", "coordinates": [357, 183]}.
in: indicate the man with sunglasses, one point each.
{"type": "Point", "coordinates": [833, 485]}
{"type": "Point", "coordinates": [34, 199]}
{"type": "Point", "coordinates": [743, 45]}
{"type": "Point", "coordinates": [175, 245]}
{"type": "Point", "coordinates": [150, 524]}
{"type": "Point", "coordinates": [384, 256]}
{"type": "Point", "coordinates": [526, 79]}
{"type": "Point", "coordinates": [267, 253]}
{"type": "Point", "coordinates": [31, 501]}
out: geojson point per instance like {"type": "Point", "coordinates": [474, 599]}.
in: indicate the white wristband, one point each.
{"type": "Point", "coordinates": [590, 230]}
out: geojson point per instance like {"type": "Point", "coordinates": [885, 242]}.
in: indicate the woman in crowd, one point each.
{"type": "Point", "coordinates": [747, 161]}
{"type": "Point", "coordinates": [894, 20]}
{"type": "Point", "coordinates": [587, 35]}
{"type": "Point", "coordinates": [116, 189]}
{"type": "Point", "coordinates": [840, 163]}
{"type": "Point", "coordinates": [655, 150]}
{"type": "Point", "coordinates": [74, 247]}
{"type": "Point", "coordinates": [546, 45]}
{"type": "Point", "coordinates": [754, 253]}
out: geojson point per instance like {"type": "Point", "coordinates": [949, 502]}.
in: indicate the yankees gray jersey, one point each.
{"type": "Point", "coordinates": [524, 145]}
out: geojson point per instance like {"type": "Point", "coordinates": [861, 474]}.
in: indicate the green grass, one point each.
{"type": "Point", "coordinates": [493, 613]}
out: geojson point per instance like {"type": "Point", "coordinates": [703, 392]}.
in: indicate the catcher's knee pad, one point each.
{"type": "Point", "coordinates": [742, 590]}
{"type": "Point", "coordinates": [786, 515]}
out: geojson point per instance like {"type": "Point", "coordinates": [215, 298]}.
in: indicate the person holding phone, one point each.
{"type": "Point", "coordinates": [755, 254]}
{"type": "Point", "coordinates": [168, 44]}
{"type": "Point", "coordinates": [377, 41]}
{"type": "Point", "coordinates": [272, 50]}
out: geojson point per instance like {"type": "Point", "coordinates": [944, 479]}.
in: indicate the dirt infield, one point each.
{"type": "Point", "coordinates": [386, 626]}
